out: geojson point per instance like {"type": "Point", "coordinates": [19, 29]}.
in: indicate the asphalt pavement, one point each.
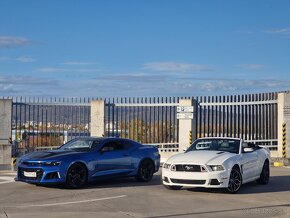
{"type": "Point", "coordinates": [128, 198]}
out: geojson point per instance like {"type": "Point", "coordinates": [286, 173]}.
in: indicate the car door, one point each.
{"type": "Point", "coordinates": [249, 163]}
{"type": "Point", "coordinates": [114, 159]}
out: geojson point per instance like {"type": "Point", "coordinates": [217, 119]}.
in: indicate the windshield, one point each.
{"type": "Point", "coordinates": [228, 145]}
{"type": "Point", "coordinates": [80, 145]}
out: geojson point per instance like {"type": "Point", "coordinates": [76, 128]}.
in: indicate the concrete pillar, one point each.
{"type": "Point", "coordinates": [98, 118]}
{"type": "Point", "coordinates": [5, 133]}
{"type": "Point", "coordinates": [5, 120]}
{"type": "Point", "coordinates": [5, 157]}
{"type": "Point", "coordinates": [187, 124]}
{"type": "Point", "coordinates": [284, 117]}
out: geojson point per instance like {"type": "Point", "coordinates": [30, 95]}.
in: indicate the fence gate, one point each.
{"type": "Point", "coordinates": [251, 117]}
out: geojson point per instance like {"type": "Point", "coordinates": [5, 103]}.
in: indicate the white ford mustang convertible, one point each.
{"type": "Point", "coordinates": [217, 163]}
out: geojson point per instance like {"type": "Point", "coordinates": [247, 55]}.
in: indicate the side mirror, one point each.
{"type": "Point", "coordinates": [251, 145]}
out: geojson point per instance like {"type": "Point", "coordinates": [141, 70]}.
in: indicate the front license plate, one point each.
{"type": "Point", "coordinates": [29, 174]}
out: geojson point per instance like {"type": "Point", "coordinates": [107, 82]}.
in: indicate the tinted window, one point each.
{"type": "Point", "coordinates": [116, 146]}
{"type": "Point", "coordinates": [229, 145]}
{"type": "Point", "coordinates": [79, 144]}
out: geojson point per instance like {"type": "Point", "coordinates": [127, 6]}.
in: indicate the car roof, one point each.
{"type": "Point", "coordinates": [95, 138]}
{"type": "Point", "coordinates": [103, 138]}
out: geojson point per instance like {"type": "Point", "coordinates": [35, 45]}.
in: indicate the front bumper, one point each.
{"type": "Point", "coordinates": [213, 179]}
{"type": "Point", "coordinates": [40, 174]}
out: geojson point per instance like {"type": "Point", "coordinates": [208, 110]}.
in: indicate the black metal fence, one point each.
{"type": "Point", "coordinates": [148, 120]}
{"type": "Point", "coordinates": [252, 117]}
{"type": "Point", "coordinates": [38, 122]}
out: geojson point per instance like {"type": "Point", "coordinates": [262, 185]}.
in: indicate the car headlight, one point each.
{"type": "Point", "coordinates": [51, 163]}
{"type": "Point", "coordinates": [217, 168]}
{"type": "Point", "coordinates": [19, 161]}
{"type": "Point", "coordinates": [166, 166]}
{"type": "Point", "coordinates": [173, 167]}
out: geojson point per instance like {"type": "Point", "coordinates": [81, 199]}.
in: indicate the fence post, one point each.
{"type": "Point", "coordinates": [186, 123]}
{"type": "Point", "coordinates": [5, 132]}
{"type": "Point", "coordinates": [283, 125]}
{"type": "Point", "coordinates": [97, 118]}
{"type": "Point", "coordinates": [5, 120]}
{"type": "Point", "coordinates": [190, 137]}
{"type": "Point", "coordinates": [284, 140]}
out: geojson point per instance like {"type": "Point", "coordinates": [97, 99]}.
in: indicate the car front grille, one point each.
{"type": "Point", "coordinates": [39, 173]}
{"type": "Point", "coordinates": [187, 181]}
{"type": "Point", "coordinates": [31, 163]}
{"type": "Point", "coordinates": [188, 168]}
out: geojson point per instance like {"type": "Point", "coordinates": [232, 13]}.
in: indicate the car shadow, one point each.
{"type": "Point", "coordinates": [111, 183]}
{"type": "Point", "coordinates": [122, 182]}
{"type": "Point", "coordinates": [276, 184]}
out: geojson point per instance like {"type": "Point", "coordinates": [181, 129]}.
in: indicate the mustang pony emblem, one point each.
{"type": "Point", "coordinates": [188, 167]}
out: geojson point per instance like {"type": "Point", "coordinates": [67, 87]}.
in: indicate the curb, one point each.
{"type": "Point", "coordinates": [279, 164]}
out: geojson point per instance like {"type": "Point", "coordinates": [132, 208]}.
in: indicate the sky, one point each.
{"type": "Point", "coordinates": [143, 48]}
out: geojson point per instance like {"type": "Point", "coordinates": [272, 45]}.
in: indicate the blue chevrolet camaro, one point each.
{"type": "Point", "coordinates": [84, 160]}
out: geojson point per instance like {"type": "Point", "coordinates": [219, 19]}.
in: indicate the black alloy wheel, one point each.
{"type": "Point", "coordinates": [145, 171]}
{"type": "Point", "coordinates": [235, 181]}
{"type": "Point", "coordinates": [265, 174]}
{"type": "Point", "coordinates": [77, 176]}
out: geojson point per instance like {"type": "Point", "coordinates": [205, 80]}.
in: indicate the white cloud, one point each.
{"type": "Point", "coordinates": [51, 70]}
{"type": "Point", "coordinates": [252, 66]}
{"type": "Point", "coordinates": [22, 59]}
{"type": "Point", "coordinates": [281, 31]}
{"type": "Point", "coordinates": [5, 87]}
{"type": "Point", "coordinates": [224, 86]}
{"type": "Point", "coordinates": [26, 85]}
{"type": "Point", "coordinates": [63, 70]}
{"type": "Point", "coordinates": [25, 59]}
{"type": "Point", "coordinates": [11, 41]}
{"type": "Point", "coordinates": [176, 67]}
{"type": "Point", "coordinates": [79, 63]}
{"type": "Point", "coordinates": [136, 84]}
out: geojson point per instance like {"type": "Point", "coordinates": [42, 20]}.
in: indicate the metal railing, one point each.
{"type": "Point", "coordinates": [38, 122]}
{"type": "Point", "coordinates": [251, 117]}
{"type": "Point", "coordinates": [147, 120]}
{"type": "Point", "coordinates": [49, 122]}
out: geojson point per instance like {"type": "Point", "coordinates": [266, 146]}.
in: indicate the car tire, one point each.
{"type": "Point", "coordinates": [172, 187]}
{"type": "Point", "coordinates": [265, 174]}
{"type": "Point", "coordinates": [77, 176]}
{"type": "Point", "coordinates": [145, 171]}
{"type": "Point", "coordinates": [235, 181]}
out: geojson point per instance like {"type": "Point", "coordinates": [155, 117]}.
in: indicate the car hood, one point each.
{"type": "Point", "coordinates": [47, 155]}
{"type": "Point", "coordinates": [201, 157]}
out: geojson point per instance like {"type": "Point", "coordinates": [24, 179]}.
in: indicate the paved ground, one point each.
{"type": "Point", "coordinates": [127, 198]}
